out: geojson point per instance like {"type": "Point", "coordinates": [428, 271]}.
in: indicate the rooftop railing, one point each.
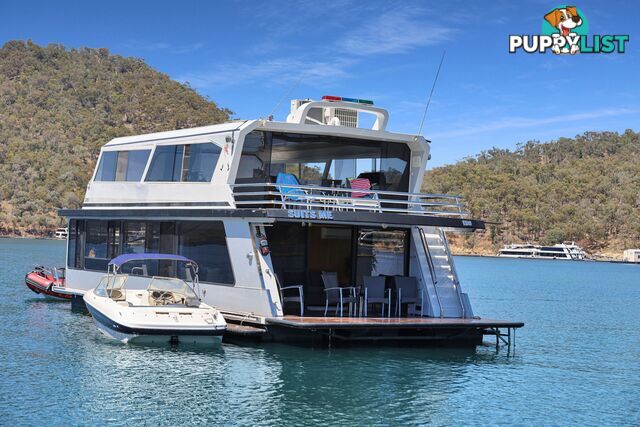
{"type": "Point", "coordinates": [289, 196]}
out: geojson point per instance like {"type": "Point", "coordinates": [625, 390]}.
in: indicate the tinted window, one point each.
{"type": "Point", "coordinates": [324, 160]}
{"type": "Point", "coordinates": [166, 164]}
{"type": "Point", "coordinates": [122, 165]}
{"type": "Point", "coordinates": [135, 166]}
{"type": "Point", "coordinates": [205, 243]}
{"type": "Point", "coordinates": [107, 166]}
{"type": "Point", "coordinates": [187, 163]}
{"type": "Point", "coordinates": [255, 158]}
{"type": "Point", "coordinates": [95, 255]}
{"type": "Point", "coordinates": [199, 162]}
{"type": "Point", "coordinates": [73, 241]}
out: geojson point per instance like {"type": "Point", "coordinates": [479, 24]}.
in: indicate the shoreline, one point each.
{"type": "Point", "coordinates": [613, 261]}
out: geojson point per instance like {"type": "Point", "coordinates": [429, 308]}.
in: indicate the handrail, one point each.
{"type": "Point", "coordinates": [331, 198]}
{"type": "Point", "coordinates": [443, 237]}
{"type": "Point", "coordinates": [318, 187]}
{"type": "Point", "coordinates": [434, 279]}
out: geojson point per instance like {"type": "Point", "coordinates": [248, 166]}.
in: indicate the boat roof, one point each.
{"type": "Point", "coordinates": [159, 136]}
{"type": "Point", "coordinates": [121, 259]}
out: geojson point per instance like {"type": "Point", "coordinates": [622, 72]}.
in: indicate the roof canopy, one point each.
{"type": "Point", "coordinates": [119, 260]}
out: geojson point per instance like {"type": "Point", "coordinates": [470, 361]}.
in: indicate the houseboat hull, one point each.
{"type": "Point", "coordinates": [322, 331]}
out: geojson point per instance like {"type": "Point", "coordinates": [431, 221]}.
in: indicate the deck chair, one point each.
{"type": "Point", "coordinates": [374, 293]}
{"type": "Point", "coordinates": [362, 198]}
{"type": "Point", "coordinates": [407, 288]}
{"type": "Point", "coordinates": [336, 294]}
{"type": "Point", "coordinates": [297, 297]}
{"type": "Point", "coordinates": [289, 193]}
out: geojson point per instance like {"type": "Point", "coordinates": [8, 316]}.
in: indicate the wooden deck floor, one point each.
{"type": "Point", "coordinates": [384, 322]}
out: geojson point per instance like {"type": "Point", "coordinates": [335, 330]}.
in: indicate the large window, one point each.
{"type": "Point", "coordinates": [186, 163]}
{"type": "Point", "coordinates": [203, 241]}
{"type": "Point", "coordinates": [206, 244]}
{"type": "Point", "coordinates": [102, 243]}
{"type": "Point", "coordinates": [75, 250]}
{"type": "Point", "coordinates": [324, 160]}
{"type": "Point", "coordinates": [381, 253]}
{"type": "Point", "coordinates": [122, 165]}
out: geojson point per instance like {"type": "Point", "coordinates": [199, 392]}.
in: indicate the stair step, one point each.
{"type": "Point", "coordinates": [431, 236]}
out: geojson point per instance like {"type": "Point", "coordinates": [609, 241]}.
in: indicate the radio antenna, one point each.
{"type": "Point", "coordinates": [426, 108]}
{"type": "Point", "coordinates": [287, 93]}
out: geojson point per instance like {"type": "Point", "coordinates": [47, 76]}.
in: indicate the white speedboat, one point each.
{"type": "Point", "coordinates": [133, 308]}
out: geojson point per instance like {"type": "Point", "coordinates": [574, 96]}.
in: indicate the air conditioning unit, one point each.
{"type": "Point", "coordinates": [327, 115]}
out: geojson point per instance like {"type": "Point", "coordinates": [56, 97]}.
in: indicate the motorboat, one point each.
{"type": "Point", "coordinates": [132, 308]}
{"type": "Point", "coordinates": [47, 281]}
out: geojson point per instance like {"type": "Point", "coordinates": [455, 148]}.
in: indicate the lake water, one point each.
{"type": "Point", "coordinates": [577, 361]}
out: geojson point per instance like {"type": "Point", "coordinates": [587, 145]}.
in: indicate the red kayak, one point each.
{"type": "Point", "coordinates": [42, 280]}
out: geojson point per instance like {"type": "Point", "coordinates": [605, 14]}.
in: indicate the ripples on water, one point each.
{"type": "Point", "coordinates": [577, 361]}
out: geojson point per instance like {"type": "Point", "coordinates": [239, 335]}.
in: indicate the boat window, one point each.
{"type": "Point", "coordinates": [324, 160]}
{"type": "Point", "coordinates": [122, 165]}
{"type": "Point", "coordinates": [254, 161]}
{"type": "Point", "coordinates": [74, 251]}
{"type": "Point", "coordinates": [205, 242]}
{"type": "Point", "coordinates": [184, 163]}
{"type": "Point", "coordinates": [381, 253]}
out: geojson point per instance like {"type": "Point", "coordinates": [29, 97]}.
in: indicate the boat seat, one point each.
{"type": "Point", "coordinates": [117, 295]}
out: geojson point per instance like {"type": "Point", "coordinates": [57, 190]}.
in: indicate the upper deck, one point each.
{"type": "Point", "coordinates": [310, 162]}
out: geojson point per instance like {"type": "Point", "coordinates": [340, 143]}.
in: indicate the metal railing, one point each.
{"type": "Point", "coordinates": [454, 273]}
{"type": "Point", "coordinates": [432, 268]}
{"type": "Point", "coordinates": [288, 196]}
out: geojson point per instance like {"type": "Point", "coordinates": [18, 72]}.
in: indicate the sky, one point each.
{"type": "Point", "coordinates": [253, 56]}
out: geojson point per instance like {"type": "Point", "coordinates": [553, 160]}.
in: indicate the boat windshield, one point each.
{"type": "Point", "coordinates": [110, 283]}
{"type": "Point", "coordinates": [172, 285]}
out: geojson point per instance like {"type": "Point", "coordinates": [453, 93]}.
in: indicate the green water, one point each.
{"type": "Point", "coordinates": [577, 361]}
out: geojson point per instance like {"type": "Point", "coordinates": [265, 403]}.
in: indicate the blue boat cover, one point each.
{"type": "Point", "coordinates": [121, 259]}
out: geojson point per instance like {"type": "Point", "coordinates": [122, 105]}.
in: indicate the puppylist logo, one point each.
{"type": "Point", "coordinates": [565, 30]}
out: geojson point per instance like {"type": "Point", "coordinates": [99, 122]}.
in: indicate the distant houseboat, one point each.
{"type": "Point", "coordinates": [566, 251]}
{"type": "Point", "coordinates": [631, 255]}
{"type": "Point", "coordinates": [61, 233]}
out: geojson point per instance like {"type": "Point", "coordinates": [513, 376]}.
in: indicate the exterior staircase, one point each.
{"type": "Point", "coordinates": [442, 288]}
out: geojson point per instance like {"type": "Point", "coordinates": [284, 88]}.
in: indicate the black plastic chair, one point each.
{"type": "Point", "coordinates": [407, 292]}
{"type": "Point", "coordinates": [374, 293]}
{"type": "Point", "coordinates": [335, 294]}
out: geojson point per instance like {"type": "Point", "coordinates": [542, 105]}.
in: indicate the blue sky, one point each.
{"type": "Point", "coordinates": [246, 55]}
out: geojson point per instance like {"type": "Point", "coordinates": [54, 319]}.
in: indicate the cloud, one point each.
{"type": "Point", "coordinates": [395, 31]}
{"type": "Point", "coordinates": [268, 72]}
{"type": "Point", "coordinates": [523, 122]}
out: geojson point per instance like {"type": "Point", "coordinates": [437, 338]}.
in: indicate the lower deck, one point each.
{"type": "Point", "coordinates": [415, 330]}
{"type": "Point", "coordinates": [386, 322]}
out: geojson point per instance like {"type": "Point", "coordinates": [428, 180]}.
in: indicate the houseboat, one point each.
{"type": "Point", "coordinates": [309, 229]}
{"type": "Point", "coordinates": [566, 251]}
{"type": "Point", "coordinates": [631, 255]}
{"type": "Point", "coordinates": [61, 233]}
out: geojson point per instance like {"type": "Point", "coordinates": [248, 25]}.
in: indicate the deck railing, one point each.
{"type": "Point", "coordinates": [288, 196]}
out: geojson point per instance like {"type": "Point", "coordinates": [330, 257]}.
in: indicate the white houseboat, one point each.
{"type": "Point", "coordinates": [566, 251]}
{"type": "Point", "coordinates": [312, 228]}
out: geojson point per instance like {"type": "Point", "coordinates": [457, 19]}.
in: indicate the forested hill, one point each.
{"type": "Point", "coordinates": [585, 189]}
{"type": "Point", "coordinates": [58, 106]}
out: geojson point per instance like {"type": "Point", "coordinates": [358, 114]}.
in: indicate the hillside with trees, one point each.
{"type": "Point", "coordinates": [59, 106]}
{"type": "Point", "coordinates": [583, 189]}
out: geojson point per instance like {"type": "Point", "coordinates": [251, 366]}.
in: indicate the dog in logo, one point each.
{"type": "Point", "coordinates": [564, 19]}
